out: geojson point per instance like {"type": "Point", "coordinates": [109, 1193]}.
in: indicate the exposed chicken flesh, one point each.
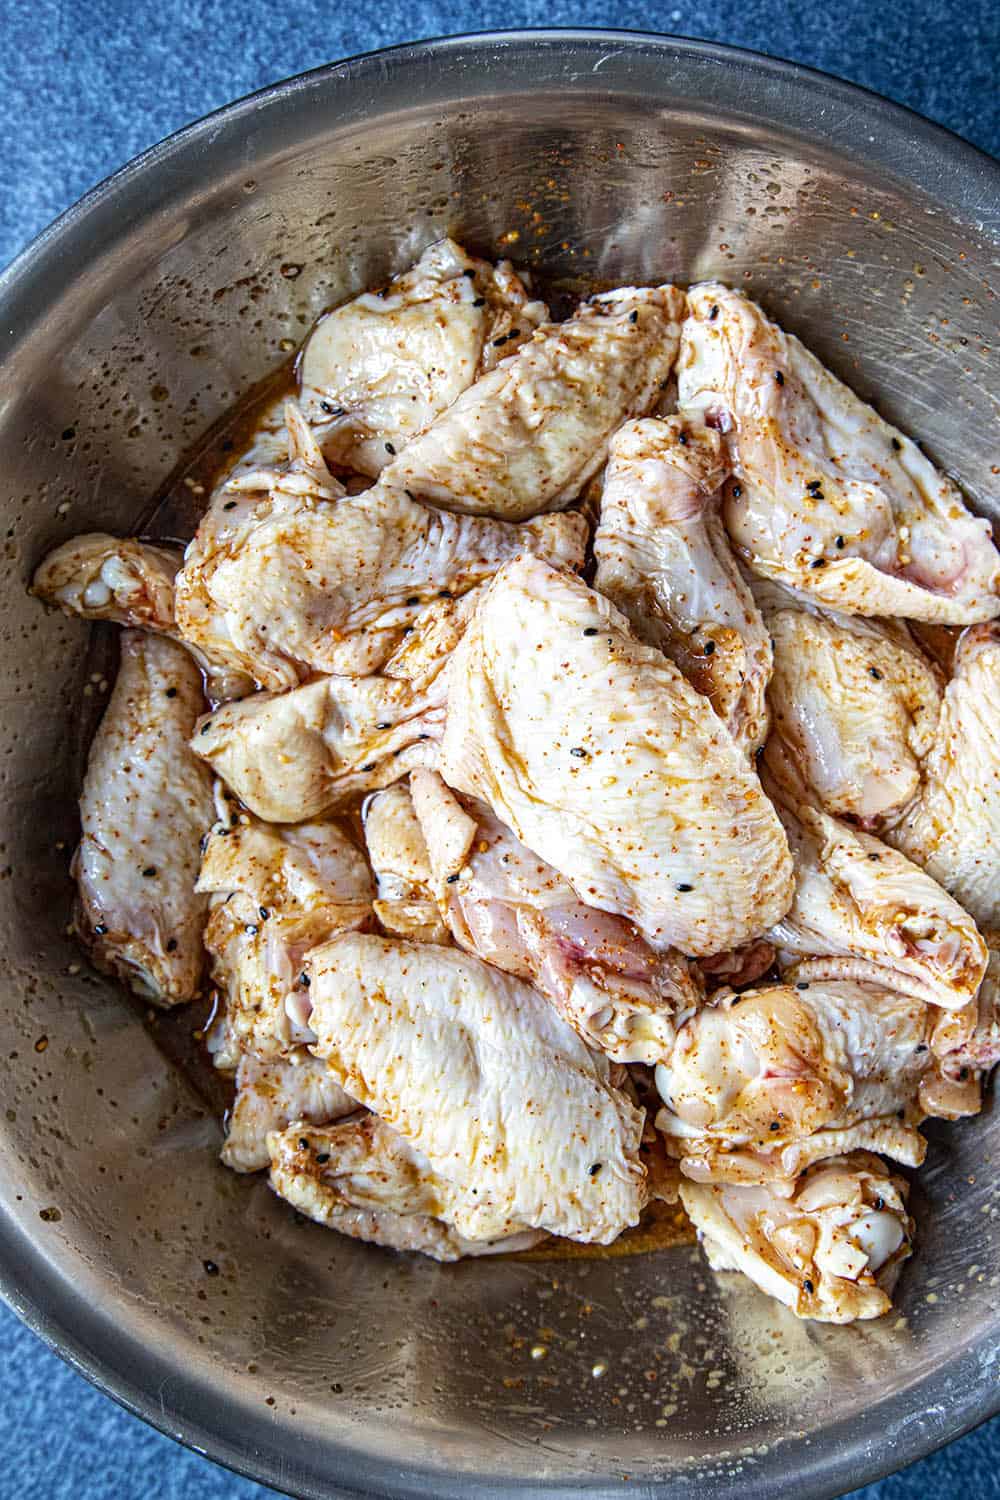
{"type": "Point", "coordinates": [513, 910]}
{"type": "Point", "coordinates": [855, 703]}
{"type": "Point", "coordinates": [529, 435]}
{"type": "Point", "coordinates": [378, 370]}
{"type": "Point", "coordinates": [477, 1071]}
{"type": "Point", "coordinates": [953, 828]}
{"type": "Point", "coordinates": [276, 893]}
{"type": "Point", "coordinates": [829, 1245]}
{"type": "Point", "coordinates": [968, 1041]}
{"type": "Point", "coordinates": [603, 760]}
{"type": "Point", "coordinates": [296, 755]}
{"type": "Point", "coordinates": [405, 904]}
{"type": "Point", "coordinates": [363, 1179]}
{"type": "Point", "coordinates": [664, 558]}
{"type": "Point", "coordinates": [764, 1083]}
{"type": "Point", "coordinates": [145, 804]}
{"type": "Point", "coordinates": [864, 911]}
{"type": "Point", "coordinates": [101, 577]}
{"type": "Point", "coordinates": [827, 497]}
{"type": "Point", "coordinates": [269, 1096]}
{"type": "Point", "coordinates": [280, 582]}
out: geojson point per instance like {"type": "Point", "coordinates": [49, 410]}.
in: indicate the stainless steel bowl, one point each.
{"type": "Point", "coordinates": [310, 1362]}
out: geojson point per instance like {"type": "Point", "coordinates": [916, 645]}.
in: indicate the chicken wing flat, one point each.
{"type": "Point", "coordinates": [477, 1071]}
{"type": "Point", "coordinates": [529, 435]}
{"type": "Point", "coordinates": [855, 704]}
{"type": "Point", "coordinates": [145, 805]}
{"type": "Point", "coordinates": [827, 497]}
{"type": "Point", "coordinates": [276, 893]}
{"type": "Point", "coordinates": [602, 759]}
{"type": "Point", "coordinates": [953, 828]}
{"type": "Point", "coordinates": [280, 583]}
{"type": "Point", "coordinates": [664, 558]}
{"type": "Point", "coordinates": [362, 1178]}
{"type": "Point", "coordinates": [864, 911]}
{"type": "Point", "coordinates": [513, 910]}
{"type": "Point", "coordinates": [828, 1244]}
{"type": "Point", "coordinates": [762, 1084]}
{"type": "Point", "coordinates": [405, 904]}
{"type": "Point", "coordinates": [377, 370]}
{"type": "Point", "coordinates": [269, 1096]}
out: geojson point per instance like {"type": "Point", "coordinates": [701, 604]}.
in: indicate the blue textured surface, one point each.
{"type": "Point", "coordinates": [83, 87]}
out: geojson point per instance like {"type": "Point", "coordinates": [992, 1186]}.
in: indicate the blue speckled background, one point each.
{"type": "Point", "coordinates": [86, 85]}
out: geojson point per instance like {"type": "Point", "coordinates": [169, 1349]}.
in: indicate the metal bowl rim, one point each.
{"type": "Point", "coordinates": [897, 124]}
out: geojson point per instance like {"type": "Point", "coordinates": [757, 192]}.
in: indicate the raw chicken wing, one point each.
{"type": "Point", "coordinates": [145, 805]}
{"type": "Point", "coordinates": [510, 908]}
{"type": "Point", "coordinates": [529, 435]}
{"type": "Point", "coordinates": [477, 1071]}
{"type": "Point", "coordinates": [405, 904]}
{"type": "Point", "coordinates": [829, 1244]}
{"type": "Point", "coordinates": [604, 761]}
{"type": "Point", "coordinates": [363, 1179]}
{"type": "Point", "coordinates": [827, 497]}
{"type": "Point", "coordinates": [379, 369]}
{"type": "Point", "coordinates": [664, 558]}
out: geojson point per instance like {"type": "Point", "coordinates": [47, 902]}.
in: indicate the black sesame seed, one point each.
{"type": "Point", "coordinates": [303, 1143]}
{"type": "Point", "coordinates": [841, 542]}
{"type": "Point", "coordinates": [211, 1269]}
{"type": "Point", "coordinates": [172, 945]}
{"type": "Point", "coordinates": [206, 726]}
{"type": "Point", "coordinates": [920, 1047]}
{"type": "Point", "coordinates": [149, 872]}
{"type": "Point", "coordinates": [445, 594]}
{"type": "Point", "coordinates": [818, 562]}
{"type": "Point", "coordinates": [709, 648]}
{"type": "Point", "coordinates": [251, 928]}
{"type": "Point", "coordinates": [470, 272]}
{"type": "Point", "coordinates": [578, 751]}
{"type": "Point", "coordinates": [807, 1287]}
{"type": "Point", "coordinates": [779, 377]}
{"type": "Point", "coordinates": [590, 630]}
{"type": "Point", "coordinates": [412, 600]}
{"type": "Point", "coordinates": [774, 1125]}
{"type": "Point", "coordinates": [682, 438]}
{"type": "Point", "coordinates": [714, 313]}
{"type": "Point", "coordinates": [682, 885]}
{"type": "Point", "coordinates": [101, 929]}
{"type": "Point", "coordinates": [737, 491]}
{"type": "Point", "coordinates": [874, 672]}
{"type": "Point", "coordinates": [633, 317]}
{"type": "Point", "coordinates": [897, 444]}
{"type": "Point", "coordinates": [390, 448]}
{"type": "Point", "coordinates": [595, 1168]}
{"type": "Point", "coordinates": [171, 692]}
{"type": "Point", "coordinates": [369, 766]}
{"type": "Point", "coordinates": [879, 1204]}
{"type": "Point", "coordinates": [501, 340]}
{"type": "Point", "coordinates": [814, 487]}
{"type": "Point", "coordinates": [384, 725]}
{"type": "Point", "coordinates": [423, 736]}
{"type": "Point", "coordinates": [876, 857]}
{"type": "Point", "coordinates": [305, 981]}
{"type": "Point", "coordinates": [333, 411]}
{"type": "Point", "coordinates": [322, 1157]}
{"type": "Point", "coordinates": [229, 505]}
{"type": "Point", "coordinates": [452, 878]}
{"type": "Point", "coordinates": [802, 984]}
{"type": "Point", "coordinates": [479, 302]}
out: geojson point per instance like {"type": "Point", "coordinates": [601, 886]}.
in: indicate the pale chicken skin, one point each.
{"type": "Point", "coordinates": [269, 1096]}
{"type": "Point", "coordinates": [513, 910]}
{"type": "Point", "coordinates": [863, 911]}
{"type": "Point", "coordinates": [477, 1071]}
{"type": "Point", "coordinates": [299, 754]}
{"type": "Point", "coordinates": [363, 1179]}
{"type": "Point", "coordinates": [953, 828]}
{"type": "Point", "coordinates": [855, 704]}
{"type": "Point", "coordinates": [405, 904]}
{"type": "Point", "coordinates": [664, 558]}
{"type": "Point", "coordinates": [826, 496]}
{"type": "Point", "coordinates": [829, 1244]}
{"type": "Point", "coordinates": [376, 371]}
{"type": "Point", "coordinates": [281, 583]}
{"type": "Point", "coordinates": [601, 758]}
{"type": "Point", "coordinates": [276, 893]}
{"type": "Point", "coordinates": [145, 805]}
{"type": "Point", "coordinates": [529, 435]}
{"type": "Point", "coordinates": [129, 582]}
{"type": "Point", "coordinates": [764, 1083]}
{"type": "Point", "coordinates": [968, 1041]}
